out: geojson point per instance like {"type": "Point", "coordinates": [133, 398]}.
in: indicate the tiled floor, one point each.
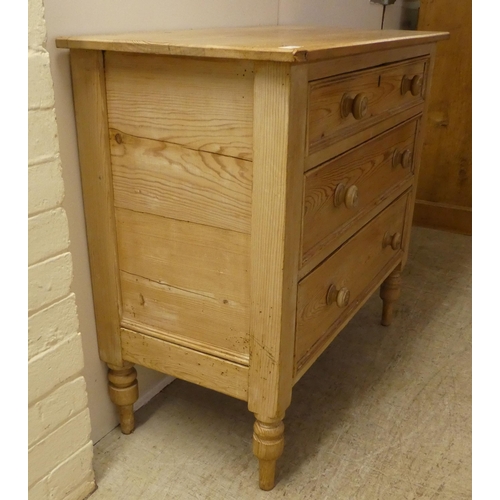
{"type": "Point", "coordinates": [385, 413]}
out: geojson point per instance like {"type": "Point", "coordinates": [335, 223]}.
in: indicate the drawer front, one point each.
{"type": "Point", "coordinates": [342, 106]}
{"type": "Point", "coordinates": [336, 289]}
{"type": "Point", "coordinates": [342, 192]}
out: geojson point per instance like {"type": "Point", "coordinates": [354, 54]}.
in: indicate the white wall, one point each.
{"type": "Point", "coordinates": [341, 13]}
{"type": "Point", "coordinates": [76, 17]}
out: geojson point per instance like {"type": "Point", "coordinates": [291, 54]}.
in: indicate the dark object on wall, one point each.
{"type": "Point", "coordinates": [409, 15]}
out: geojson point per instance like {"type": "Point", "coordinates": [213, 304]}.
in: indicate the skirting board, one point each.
{"type": "Point", "coordinates": [451, 218]}
{"type": "Point", "coordinates": [153, 391]}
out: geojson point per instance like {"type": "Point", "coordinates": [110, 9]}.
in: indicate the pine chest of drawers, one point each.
{"type": "Point", "coordinates": [246, 190]}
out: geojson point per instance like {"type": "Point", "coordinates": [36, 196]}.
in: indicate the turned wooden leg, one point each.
{"type": "Point", "coordinates": [389, 293]}
{"type": "Point", "coordinates": [268, 443]}
{"type": "Point", "coordinates": [123, 391]}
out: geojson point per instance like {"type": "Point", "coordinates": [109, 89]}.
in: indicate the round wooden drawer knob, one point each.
{"type": "Point", "coordinates": [414, 85]}
{"type": "Point", "coordinates": [349, 196]}
{"type": "Point", "coordinates": [357, 105]}
{"type": "Point", "coordinates": [340, 297]}
{"type": "Point", "coordinates": [403, 158]}
{"type": "Point", "coordinates": [392, 240]}
{"type": "Point", "coordinates": [339, 195]}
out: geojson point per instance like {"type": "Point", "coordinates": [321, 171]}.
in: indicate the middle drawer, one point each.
{"type": "Point", "coordinates": [340, 194]}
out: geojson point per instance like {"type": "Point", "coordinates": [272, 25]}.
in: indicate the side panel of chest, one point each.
{"type": "Point", "coordinates": [180, 135]}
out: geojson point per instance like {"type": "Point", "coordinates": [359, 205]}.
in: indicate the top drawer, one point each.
{"type": "Point", "coordinates": [344, 105]}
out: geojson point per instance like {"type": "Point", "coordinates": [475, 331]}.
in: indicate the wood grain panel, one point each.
{"type": "Point", "coordinates": [89, 94]}
{"type": "Point", "coordinates": [203, 105]}
{"type": "Point", "coordinates": [446, 167]}
{"type": "Point", "coordinates": [185, 279]}
{"type": "Point", "coordinates": [196, 367]}
{"type": "Point", "coordinates": [354, 266]}
{"type": "Point", "coordinates": [381, 86]}
{"type": "Point", "coordinates": [173, 181]}
{"type": "Point", "coordinates": [370, 169]}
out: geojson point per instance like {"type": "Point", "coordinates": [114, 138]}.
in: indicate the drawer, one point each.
{"type": "Point", "coordinates": [335, 290]}
{"type": "Point", "coordinates": [342, 192]}
{"type": "Point", "coordinates": [344, 105]}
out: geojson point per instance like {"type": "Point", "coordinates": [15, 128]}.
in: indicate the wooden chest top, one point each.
{"type": "Point", "coordinates": [269, 43]}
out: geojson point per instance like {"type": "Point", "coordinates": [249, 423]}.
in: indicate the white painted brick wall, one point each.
{"type": "Point", "coordinates": [42, 135]}
{"type": "Point", "coordinates": [40, 94]}
{"type": "Point", "coordinates": [48, 235]}
{"type": "Point", "coordinates": [45, 187]}
{"type": "Point", "coordinates": [36, 25]}
{"type": "Point", "coordinates": [65, 479]}
{"type": "Point", "coordinates": [51, 325]}
{"type": "Point", "coordinates": [49, 280]}
{"type": "Point", "coordinates": [53, 410]}
{"type": "Point", "coordinates": [59, 445]}
{"type": "Point", "coordinates": [51, 368]}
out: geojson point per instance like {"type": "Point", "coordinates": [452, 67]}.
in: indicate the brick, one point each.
{"type": "Point", "coordinates": [45, 187]}
{"type": "Point", "coordinates": [40, 490]}
{"type": "Point", "coordinates": [72, 474]}
{"type": "Point", "coordinates": [36, 24]}
{"type": "Point", "coordinates": [42, 135]}
{"type": "Point", "coordinates": [50, 412]}
{"type": "Point", "coordinates": [53, 367]}
{"type": "Point", "coordinates": [49, 281]}
{"type": "Point", "coordinates": [40, 86]}
{"type": "Point", "coordinates": [58, 446]}
{"type": "Point", "coordinates": [48, 235]}
{"type": "Point", "coordinates": [82, 492]}
{"type": "Point", "coordinates": [52, 325]}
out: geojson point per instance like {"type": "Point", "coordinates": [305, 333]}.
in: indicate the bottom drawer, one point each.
{"type": "Point", "coordinates": [336, 289]}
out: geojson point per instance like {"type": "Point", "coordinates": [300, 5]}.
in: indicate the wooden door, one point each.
{"type": "Point", "coordinates": [444, 195]}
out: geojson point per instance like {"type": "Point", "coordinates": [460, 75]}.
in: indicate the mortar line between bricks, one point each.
{"type": "Point", "coordinates": [47, 305]}
{"type": "Point", "coordinates": [42, 160]}
{"type": "Point", "coordinates": [73, 417]}
{"type": "Point", "coordinates": [38, 212]}
{"type": "Point", "coordinates": [90, 479]}
{"type": "Point", "coordinates": [50, 256]}
{"type": "Point", "coordinates": [53, 304]}
{"type": "Point", "coordinates": [39, 50]}
{"type": "Point", "coordinates": [70, 457]}
{"type": "Point", "coordinates": [63, 422]}
{"type": "Point", "coordinates": [45, 210]}
{"type": "Point", "coordinates": [41, 108]}
{"type": "Point", "coordinates": [72, 378]}
{"type": "Point", "coordinates": [39, 355]}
